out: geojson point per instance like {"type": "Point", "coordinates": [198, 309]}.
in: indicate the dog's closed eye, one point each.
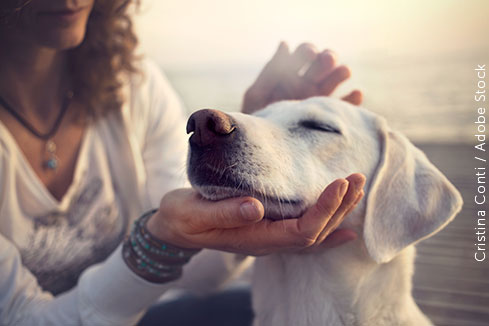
{"type": "Point", "coordinates": [318, 126]}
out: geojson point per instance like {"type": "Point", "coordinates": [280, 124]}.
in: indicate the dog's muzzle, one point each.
{"type": "Point", "coordinates": [214, 146]}
{"type": "Point", "coordinates": [221, 164]}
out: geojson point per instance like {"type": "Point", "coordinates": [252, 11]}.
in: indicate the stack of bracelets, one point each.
{"type": "Point", "coordinates": [152, 259]}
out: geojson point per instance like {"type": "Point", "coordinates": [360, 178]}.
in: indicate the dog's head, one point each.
{"type": "Point", "coordinates": [287, 153]}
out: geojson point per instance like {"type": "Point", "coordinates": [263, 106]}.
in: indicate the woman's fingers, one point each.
{"type": "Point", "coordinates": [359, 197]}
{"type": "Point", "coordinates": [330, 228]}
{"type": "Point", "coordinates": [321, 67]}
{"type": "Point", "coordinates": [187, 211]}
{"type": "Point", "coordinates": [356, 183]}
{"type": "Point", "coordinates": [355, 97]}
{"type": "Point", "coordinates": [319, 215]}
{"type": "Point", "coordinates": [333, 80]}
{"type": "Point", "coordinates": [319, 220]}
{"type": "Point", "coordinates": [323, 218]}
{"type": "Point", "coordinates": [291, 84]}
{"type": "Point", "coordinates": [338, 238]}
{"type": "Point", "coordinates": [268, 236]}
{"type": "Point", "coordinates": [270, 75]}
{"type": "Point", "coordinates": [236, 224]}
{"type": "Point", "coordinates": [303, 55]}
{"type": "Point", "coordinates": [283, 77]}
{"type": "Point", "coordinates": [259, 93]}
{"type": "Point", "coordinates": [224, 214]}
{"type": "Point", "coordinates": [348, 201]}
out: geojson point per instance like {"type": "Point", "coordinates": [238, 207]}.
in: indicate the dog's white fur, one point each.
{"type": "Point", "coordinates": [367, 281]}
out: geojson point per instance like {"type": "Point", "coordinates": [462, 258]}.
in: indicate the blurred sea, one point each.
{"type": "Point", "coordinates": [429, 98]}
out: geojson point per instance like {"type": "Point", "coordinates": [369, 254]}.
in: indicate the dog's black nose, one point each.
{"type": "Point", "coordinates": [209, 127]}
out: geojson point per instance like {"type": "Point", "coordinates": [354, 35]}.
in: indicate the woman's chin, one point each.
{"type": "Point", "coordinates": [62, 40]}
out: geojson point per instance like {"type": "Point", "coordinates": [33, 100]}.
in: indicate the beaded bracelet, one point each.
{"type": "Point", "coordinates": [146, 272]}
{"type": "Point", "coordinates": [150, 258]}
{"type": "Point", "coordinates": [155, 245]}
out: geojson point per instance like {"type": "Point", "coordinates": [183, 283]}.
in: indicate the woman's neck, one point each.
{"type": "Point", "coordinates": [33, 78]}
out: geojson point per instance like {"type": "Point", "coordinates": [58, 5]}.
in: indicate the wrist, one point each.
{"type": "Point", "coordinates": [152, 259]}
{"type": "Point", "coordinates": [156, 228]}
{"type": "Point", "coordinates": [140, 267]}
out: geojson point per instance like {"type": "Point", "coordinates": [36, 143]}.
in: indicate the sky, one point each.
{"type": "Point", "coordinates": [182, 33]}
{"type": "Point", "coordinates": [410, 58]}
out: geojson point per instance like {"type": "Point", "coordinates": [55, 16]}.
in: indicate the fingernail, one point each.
{"type": "Point", "coordinates": [249, 211]}
{"type": "Point", "coordinates": [343, 189]}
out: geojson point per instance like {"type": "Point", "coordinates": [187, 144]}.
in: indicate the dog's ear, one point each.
{"type": "Point", "coordinates": [409, 198]}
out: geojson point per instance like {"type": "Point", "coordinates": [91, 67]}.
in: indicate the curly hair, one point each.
{"type": "Point", "coordinates": [106, 52]}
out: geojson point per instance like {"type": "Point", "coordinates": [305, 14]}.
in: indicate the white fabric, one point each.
{"type": "Point", "coordinates": [126, 164]}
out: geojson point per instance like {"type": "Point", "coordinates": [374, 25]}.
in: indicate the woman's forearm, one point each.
{"type": "Point", "coordinates": [107, 294]}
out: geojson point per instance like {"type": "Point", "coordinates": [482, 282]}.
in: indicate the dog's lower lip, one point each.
{"type": "Point", "coordinates": [254, 193]}
{"type": "Point", "coordinates": [282, 206]}
{"type": "Point", "coordinates": [214, 183]}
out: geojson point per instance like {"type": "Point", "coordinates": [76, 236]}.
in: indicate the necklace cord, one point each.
{"type": "Point", "coordinates": [30, 127]}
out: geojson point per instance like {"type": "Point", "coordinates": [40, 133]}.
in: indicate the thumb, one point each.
{"type": "Point", "coordinates": [231, 213]}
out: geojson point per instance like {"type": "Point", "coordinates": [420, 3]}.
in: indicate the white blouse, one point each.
{"type": "Point", "coordinates": [127, 162]}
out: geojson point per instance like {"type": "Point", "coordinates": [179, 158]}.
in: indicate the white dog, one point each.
{"type": "Point", "coordinates": [285, 155]}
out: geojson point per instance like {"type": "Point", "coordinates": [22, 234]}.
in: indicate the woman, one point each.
{"type": "Point", "coordinates": [90, 138]}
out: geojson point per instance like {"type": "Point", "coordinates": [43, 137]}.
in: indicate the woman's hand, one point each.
{"type": "Point", "coordinates": [185, 219]}
{"type": "Point", "coordinates": [294, 76]}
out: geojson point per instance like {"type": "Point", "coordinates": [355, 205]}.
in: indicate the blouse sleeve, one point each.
{"type": "Point", "coordinates": [107, 294]}
{"type": "Point", "coordinates": [157, 120]}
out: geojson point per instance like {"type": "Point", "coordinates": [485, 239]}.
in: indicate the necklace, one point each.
{"type": "Point", "coordinates": [51, 162]}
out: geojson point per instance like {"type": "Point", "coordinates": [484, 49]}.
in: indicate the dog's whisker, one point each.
{"type": "Point", "coordinates": [230, 166]}
{"type": "Point", "coordinates": [263, 191]}
{"type": "Point", "coordinates": [275, 192]}
{"type": "Point", "coordinates": [281, 207]}
{"type": "Point", "coordinates": [252, 187]}
{"type": "Point", "coordinates": [182, 169]}
{"type": "Point", "coordinates": [223, 171]}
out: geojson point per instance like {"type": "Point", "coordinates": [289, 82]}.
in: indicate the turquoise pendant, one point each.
{"type": "Point", "coordinates": [52, 162]}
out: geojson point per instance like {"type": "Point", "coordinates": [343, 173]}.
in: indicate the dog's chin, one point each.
{"type": "Point", "coordinates": [276, 208]}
